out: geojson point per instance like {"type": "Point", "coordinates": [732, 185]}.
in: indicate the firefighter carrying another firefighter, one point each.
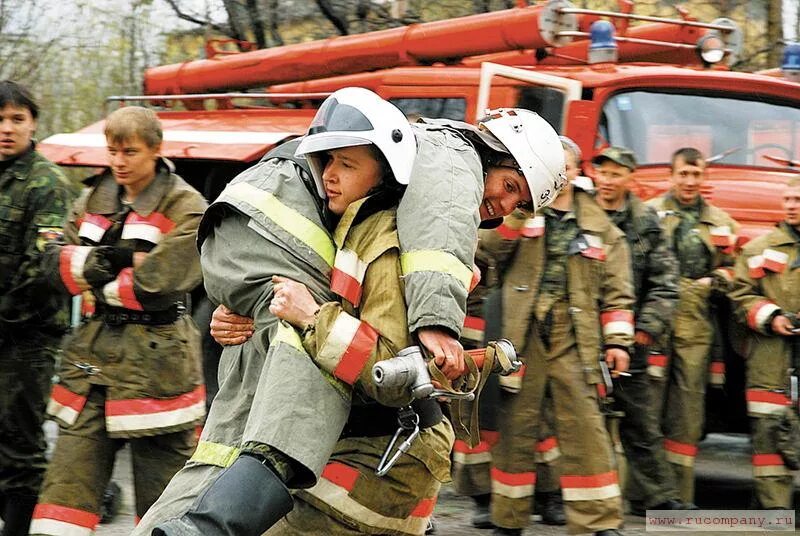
{"type": "Point", "coordinates": [250, 432]}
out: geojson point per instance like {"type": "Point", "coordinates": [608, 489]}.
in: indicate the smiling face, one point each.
{"type": "Point", "coordinates": [504, 190]}
{"type": "Point", "coordinates": [17, 126]}
{"type": "Point", "coordinates": [349, 174]}
{"type": "Point", "coordinates": [133, 163]}
{"type": "Point", "coordinates": [686, 179]}
{"type": "Point", "coordinates": [611, 181]}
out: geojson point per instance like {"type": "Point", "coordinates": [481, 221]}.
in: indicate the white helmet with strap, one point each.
{"type": "Point", "coordinates": [533, 143]}
{"type": "Point", "coordinates": [357, 116]}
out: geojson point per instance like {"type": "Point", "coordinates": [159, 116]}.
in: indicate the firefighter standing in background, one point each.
{"type": "Point", "coordinates": [567, 295]}
{"type": "Point", "coordinates": [34, 199]}
{"type": "Point", "coordinates": [655, 281]}
{"type": "Point", "coordinates": [703, 238]}
{"type": "Point", "coordinates": [471, 465]}
{"type": "Point", "coordinates": [767, 297]}
{"type": "Point", "coordinates": [131, 373]}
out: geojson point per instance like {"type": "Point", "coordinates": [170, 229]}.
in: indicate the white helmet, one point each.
{"type": "Point", "coordinates": [534, 145]}
{"type": "Point", "coordinates": [357, 116]}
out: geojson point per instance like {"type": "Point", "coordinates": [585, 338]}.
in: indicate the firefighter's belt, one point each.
{"type": "Point", "coordinates": [115, 316]}
{"type": "Point", "coordinates": [375, 420]}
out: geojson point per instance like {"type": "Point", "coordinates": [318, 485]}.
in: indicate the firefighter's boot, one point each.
{"type": "Point", "coordinates": [482, 518]}
{"type": "Point", "coordinates": [245, 500]}
{"type": "Point", "coordinates": [17, 512]}
{"type": "Point", "coordinates": [550, 506]}
{"type": "Point", "coordinates": [109, 508]}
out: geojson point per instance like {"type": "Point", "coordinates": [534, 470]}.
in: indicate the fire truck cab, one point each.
{"type": "Point", "coordinates": [652, 88]}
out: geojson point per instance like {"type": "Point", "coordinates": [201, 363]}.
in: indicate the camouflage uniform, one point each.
{"type": "Point", "coordinates": [655, 281]}
{"type": "Point", "coordinates": [33, 205]}
{"type": "Point", "coordinates": [768, 283]}
{"type": "Point", "coordinates": [567, 293]}
{"type": "Point", "coordinates": [132, 371]}
{"type": "Point", "coordinates": [349, 497]}
{"type": "Point", "coordinates": [703, 238]}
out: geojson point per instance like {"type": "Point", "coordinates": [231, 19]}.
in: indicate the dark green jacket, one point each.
{"type": "Point", "coordinates": [655, 269]}
{"type": "Point", "coordinates": [34, 198]}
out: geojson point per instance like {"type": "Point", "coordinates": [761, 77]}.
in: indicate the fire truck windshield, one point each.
{"type": "Point", "coordinates": [655, 124]}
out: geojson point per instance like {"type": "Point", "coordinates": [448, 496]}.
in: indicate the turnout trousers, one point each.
{"type": "Point", "coordinates": [770, 415]}
{"type": "Point", "coordinates": [82, 464]}
{"type": "Point", "coordinates": [588, 477]}
{"type": "Point", "coordinates": [684, 415]}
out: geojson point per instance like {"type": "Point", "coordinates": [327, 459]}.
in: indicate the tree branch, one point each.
{"type": "Point", "coordinates": [258, 25]}
{"type": "Point", "coordinates": [338, 22]}
{"type": "Point", "coordinates": [200, 22]}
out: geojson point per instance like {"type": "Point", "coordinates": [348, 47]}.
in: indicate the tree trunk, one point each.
{"type": "Point", "coordinates": [251, 7]}
{"type": "Point", "coordinates": [275, 35]}
{"type": "Point", "coordinates": [774, 32]}
{"type": "Point", "coordinates": [339, 22]}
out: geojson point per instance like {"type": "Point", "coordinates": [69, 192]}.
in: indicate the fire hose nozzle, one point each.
{"type": "Point", "coordinates": [409, 369]}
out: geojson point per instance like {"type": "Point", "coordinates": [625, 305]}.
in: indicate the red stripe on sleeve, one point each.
{"type": "Point", "coordinates": [65, 397]}
{"type": "Point", "coordinates": [126, 294]}
{"type": "Point", "coordinates": [346, 286]}
{"type": "Point", "coordinates": [357, 354]}
{"type": "Point", "coordinates": [65, 270]}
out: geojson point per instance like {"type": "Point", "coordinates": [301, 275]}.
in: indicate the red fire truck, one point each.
{"type": "Point", "coordinates": [653, 88]}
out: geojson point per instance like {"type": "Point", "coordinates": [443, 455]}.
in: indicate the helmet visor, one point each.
{"type": "Point", "coordinates": [327, 141]}
{"type": "Point", "coordinates": [333, 116]}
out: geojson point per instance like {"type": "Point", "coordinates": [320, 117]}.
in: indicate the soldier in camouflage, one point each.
{"type": "Point", "coordinates": [655, 280]}
{"type": "Point", "coordinates": [703, 238]}
{"type": "Point", "coordinates": [34, 199]}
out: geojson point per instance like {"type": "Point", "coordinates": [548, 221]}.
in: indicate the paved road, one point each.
{"type": "Point", "coordinates": [723, 482]}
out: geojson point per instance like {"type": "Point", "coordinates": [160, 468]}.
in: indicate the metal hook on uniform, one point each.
{"type": "Point", "coordinates": [408, 421]}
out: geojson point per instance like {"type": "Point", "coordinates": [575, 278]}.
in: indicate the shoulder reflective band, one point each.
{"type": "Point", "coordinates": [286, 218]}
{"type": "Point", "coordinates": [429, 260]}
{"type": "Point", "coordinates": [288, 335]}
{"type": "Point", "coordinates": [215, 454]}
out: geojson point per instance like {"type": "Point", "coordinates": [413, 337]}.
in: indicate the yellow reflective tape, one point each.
{"type": "Point", "coordinates": [217, 454]}
{"type": "Point", "coordinates": [287, 218]}
{"type": "Point", "coordinates": [425, 260]}
{"type": "Point", "coordinates": [287, 335]}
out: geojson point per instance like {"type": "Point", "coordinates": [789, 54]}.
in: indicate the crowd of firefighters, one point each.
{"type": "Point", "coordinates": [338, 250]}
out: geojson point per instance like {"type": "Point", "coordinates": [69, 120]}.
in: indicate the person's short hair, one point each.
{"type": "Point", "coordinates": [690, 155]}
{"type": "Point", "coordinates": [569, 145]}
{"type": "Point", "coordinates": [17, 95]}
{"type": "Point", "coordinates": [793, 182]}
{"type": "Point", "coordinates": [622, 156]}
{"type": "Point", "coordinates": [129, 122]}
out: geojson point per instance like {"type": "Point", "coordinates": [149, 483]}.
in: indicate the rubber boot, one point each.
{"type": "Point", "coordinates": [109, 508]}
{"type": "Point", "coordinates": [550, 506]}
{"type": "Point", "coordinates": [17, 512]}
{"type": "Point", "coordinates": [245, 500]}
{"type": "Point", "coordinates": [481, 518]}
